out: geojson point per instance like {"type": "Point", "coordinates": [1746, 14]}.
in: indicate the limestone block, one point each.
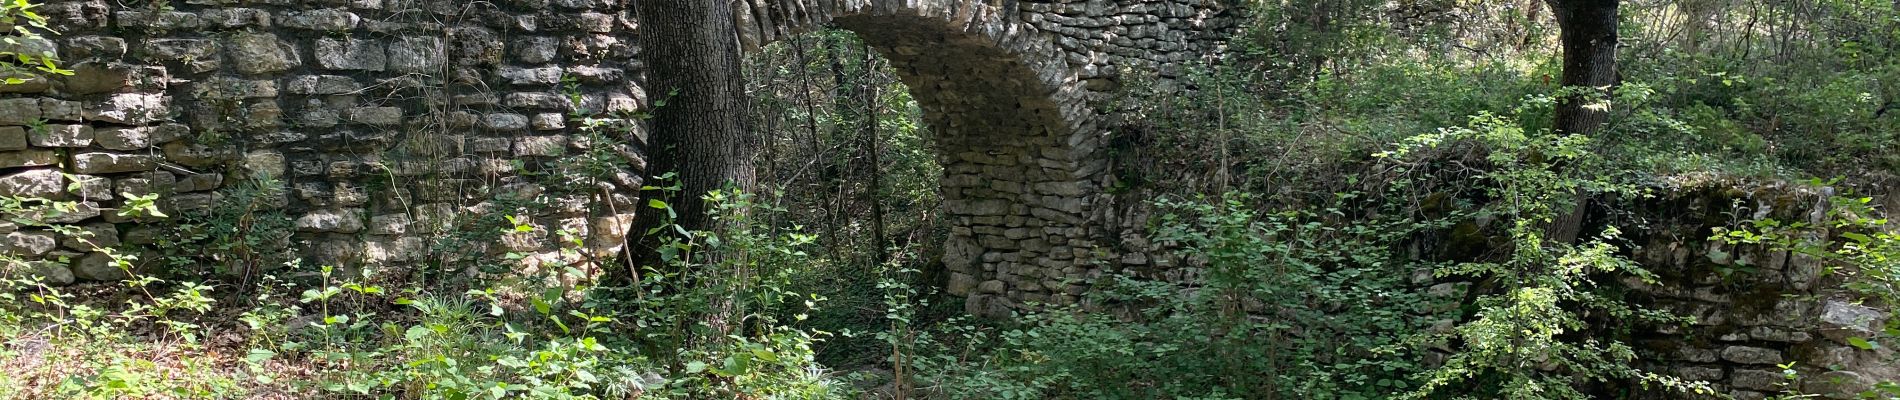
{"type": "Point", "coordinates": [1751, 355]}
{"type": "Point", "coordinates": [549, 121]}
{"type": "Point", "coordinates": [61, 136]}
{"type": "Point", "coordinates": [265, 163]}
{"type": "Point", "coordinates": [1842, 320]}
{"type": "Point", "coordinates": [60, 110]}
{"type": "Point", "coordinates": [322, 84]}
{"type": "Point", "coordinates": [98, 267]}
{"type": "Point", "coordinates": [29, 244]}
{"type": "Point", "coordinates": [504, 122]}
{"type": "Point", "coordinates": [129, 108]}
{"type": "Point", "coordinates": [331, 20]}
{"type": "Point", "coordinates": [236, 18]}
{"type": "Point", "coordinates": [378, 116]}
{"type": "Point", "coordinates": [544, 146]}
{"type": "Point", "coordinates": [260, 53]}
{"type": "Point", "coordinates": [389, 224]}
{"type": "Point", "coordinates": [351, 54]}
{"type": "Point", "coordinates": [532, 76]}
{"type": "Point", "coordinates": [92, 237]}
{"type": "Point", "coordinates": [42, 183]}
{"type": "Point", "coordinates": [12, 138]}
{"type": "Point", "coordinates": [91, 187]}
{"type": "Point", "coordinates": [416, 54]}
{"type": "Point", "coordinates": [28, 158]}
{"type": "Point", "coordinates": [1756, 379]}
{"type": "Point", "coordinates": [331, 220]}
{"type": "Point", "coordinates": [106, 163]}
{"type": "Point", "coordinates": [19, 111]}
{"type": "Point", "coordinates": [196, 55]}
{"type": "Point", "coordinates": [158, 20]}
{"type": "Point", "coordinates": [52, 273]}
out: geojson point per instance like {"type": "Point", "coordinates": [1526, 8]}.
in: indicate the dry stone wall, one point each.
{"type": "Point", "coordinates": [403, 131]}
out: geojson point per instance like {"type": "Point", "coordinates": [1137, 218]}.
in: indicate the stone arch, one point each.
{"type": "Point", "coordinates": [1015, 130]}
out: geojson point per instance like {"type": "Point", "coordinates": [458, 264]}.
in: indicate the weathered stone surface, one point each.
{"type": "Point", "coordinates": [42, 183]}
{"type": "Point", "coordinates": [416, 54]}
{"type": "Point", "coordinates": [351, 54]}
{"type": "Point", "coordinates": [130, 108]}
{"type": "Point", "coordinates": [378, 116]}
{"type": "Point", "coordinates": [52, 273]}
{"type": "Point", "coordinates": [106, 163]}
{"type": "Point", "coordinates": [98, 267]}
{"type": "Point", "coordinates": [1751, 355]}
{"type": "Point", "coordinates": [1756, 379]}
{"type": "Point", "coordinates": [28, 158]}
{"type": "Point", "coordinates": [61, 136]}
{"type": "Point", "coordinates": [265, 163]}
{"type": "Point", "coordinates": [331, 220]}
{"type": "Point", "coordinates": [260, 53]}
{"type": "Point", "coordinates": [92, 237]}
{"type": "Point", "coordinates": [322, 84]}
{"type": "Point", "coordinates": [30, 244]}
{"type": "Point", "coordinates": [1841, 320]}
{"type": "Point", "coordinates": [505, 122]}
{"type": "Point", "coordinates": [19, 111]}
{"type": "Point", "coordinates": [543, 146]}
{"type": "Point", "coordinates": [12, 138]}
{"type": "Point", "coordinates": [333, 20]}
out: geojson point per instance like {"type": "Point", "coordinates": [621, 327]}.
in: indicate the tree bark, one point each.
{"type": "Point", "coordinates": [1587, 29]}
{"type": "Point", "coordinates": [691, 53]}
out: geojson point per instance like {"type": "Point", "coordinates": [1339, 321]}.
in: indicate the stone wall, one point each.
{"type": "Point", "coordinates": [1755, 307]}
{"type": "Point", "coordinates": [401, 131]}
{"type": "Point", "coordinates": [376, 127]}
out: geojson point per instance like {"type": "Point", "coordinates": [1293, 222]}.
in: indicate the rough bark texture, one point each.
{"type": "Point", "coordinates": [1588, 32]}
{"type": "Point", "coordinates": [699, 133]}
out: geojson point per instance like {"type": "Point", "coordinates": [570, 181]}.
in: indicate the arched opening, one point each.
{"type": "Point", "coordinates": [1006, 121]}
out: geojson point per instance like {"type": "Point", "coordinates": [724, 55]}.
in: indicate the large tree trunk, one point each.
{"type": "Point", "coordinates": [692, 65]}
{"type": "Point", "coordinates": [1587, 29]}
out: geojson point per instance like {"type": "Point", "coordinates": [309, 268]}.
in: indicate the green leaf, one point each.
{"type": "Point", "coordinates": [656, 203]}
{"type": "Point", "coordinates": [1861, 343]}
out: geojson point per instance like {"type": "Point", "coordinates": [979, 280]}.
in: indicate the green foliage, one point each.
{"type": "Point", "coordinates": [25, 51]}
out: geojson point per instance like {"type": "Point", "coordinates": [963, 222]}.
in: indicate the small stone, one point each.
{"type": "Point", "coordinates": [124, 138]}
{"type": "Point", "coordinates": [544, 146]}
{"type": "Point", "coordinates": [92, 237]}
{"type": "Point", "coordinates": [93, 77]}
{"type": "Point", "coordinates": [389, 224]}
{"type": "Point", "coordinates": [265, 163]}
{"type": "Point", "coordinates": [378, 116]}
{"type": "Point", "coordinates": [549, 121]}
{"type": "Point", "coordinates": [41, 183]}
{"type": "Point", "coordinates": [1842, 320]}
{"type": "Point", "coordinates": [51, 272]}
{"type": "Point", "coordinates": [128, 108]}
{"type": "Point", "coordinates": [351, 54]}
{"type": "Point", "coordinates": [12, 137]}
{"type": "Point", "coordinates": [539, 101]}
{"type": "Point", "coordinates": [61, 136]}
{"type": "Point", "coordinates": [416, 54]}
{"type": "Point", "coordinates": [991, 287]}
{"type": "Point", "coordinates": [961, 284]}
{"type": "Point", "coordinates": [196, 55]}
{"type": "Point", "coordinates": [19, 111]}
{"type": "Point", "coordinates": [91, 187]}
{"type": "Point", "coordinates": [98, 267]}
{"type": "Point", "coordinates": [322, 84]}
{"type": "Point", "coordinates": [532, 76]}
{"type": "Point", "coordinates": [505, 122]}
{"type": "Point", "coordinates": [259, 53]}
{"type": "Point", "coordinates": [332, 20]}
{"type": "Point", "coordinates": [60, 110]}
{"type": "Point", "coordinates": [223, 88]}
{"type": "Point", "coordinates": [30, 244]}
{"type": "Point", "coordinates": [1756, 379]}
{"type": "Point", "coordinates": [338, 221]}
{"type": "Point", "coordinates": [236, 17]}
{"type": "Point", "coordinates": [536, 50]}
{"type": "Point", "coordinates": [28, 158]}
{"type": "Point", "coordinates": [106, 163]}
{"type": "Point", "coordinates": [1751, 355]}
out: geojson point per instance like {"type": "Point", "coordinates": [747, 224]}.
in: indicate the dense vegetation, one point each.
{"type": "Point", "coordinates": [1298, 174]}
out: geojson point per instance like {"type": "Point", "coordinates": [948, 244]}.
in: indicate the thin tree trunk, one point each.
{"type": "Point", "coordinates": [876, 191]}
{"type": "Point", "coordinates": [1587, 29]}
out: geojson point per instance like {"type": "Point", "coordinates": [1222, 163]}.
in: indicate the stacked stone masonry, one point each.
{"type": "Point", "coordinates": [388, 125]}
